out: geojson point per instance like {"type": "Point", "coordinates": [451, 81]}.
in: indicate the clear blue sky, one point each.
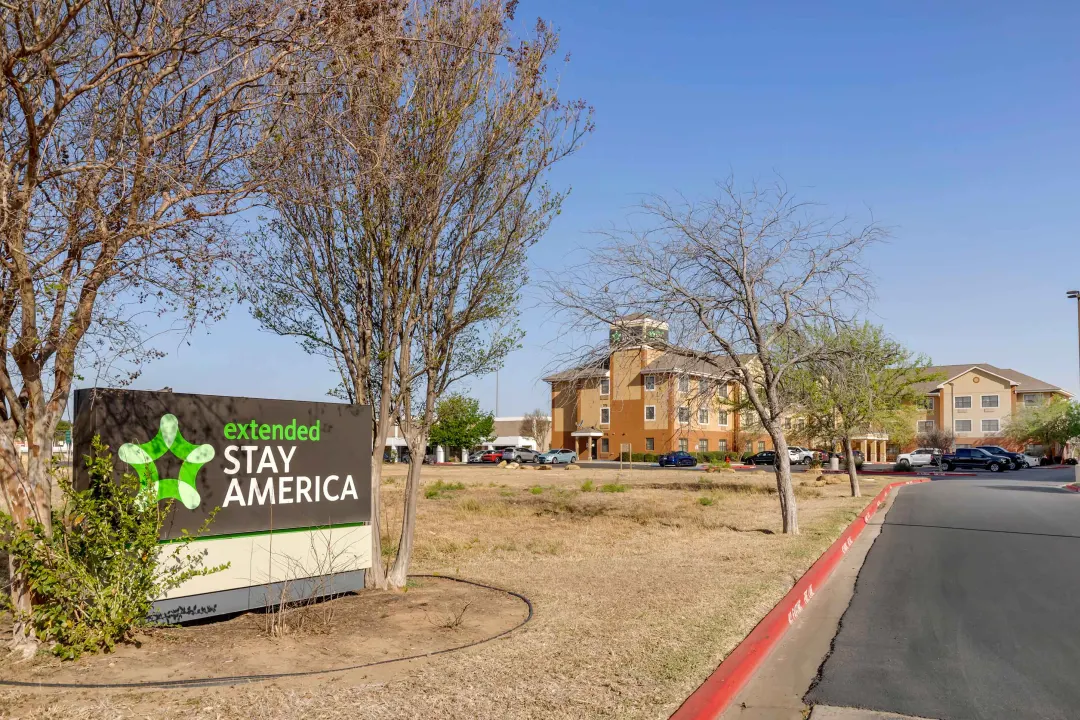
{"type": "Point", "coordinates": [958, 127]}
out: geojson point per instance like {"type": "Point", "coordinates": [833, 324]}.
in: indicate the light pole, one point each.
{"type": "Point", "coordinates": [1075, 295]}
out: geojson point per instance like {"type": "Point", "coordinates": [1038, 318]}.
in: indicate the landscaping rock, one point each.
{"type": "Point", "coordinates": [543, 467]}
{"type": "Point", "coordinates": [502, 463]}
{"type": "Point", "coordinates": [528, 467]}
{"type": "Point", "coordinates": [512, 466]}
{"type": "Point", "coordinates": [572, 466]}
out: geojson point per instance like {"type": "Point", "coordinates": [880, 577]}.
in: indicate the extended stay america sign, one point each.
{"type": "Point", "coordinates": [265, 465]}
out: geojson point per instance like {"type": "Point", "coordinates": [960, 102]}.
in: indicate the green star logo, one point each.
{"type": "Point", "coordinates": [168, 439]}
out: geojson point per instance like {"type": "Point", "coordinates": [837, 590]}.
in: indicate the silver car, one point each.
{"type": "Point", "coordinates": [520, 455]}
{"type": "Point", "coordinates": [554, 457]}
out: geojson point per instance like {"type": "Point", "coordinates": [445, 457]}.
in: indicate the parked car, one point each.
{"type": "Point", "coordinates": [679, 458]}
{"type": "Point", "coordinates": [919, 458]}
{"type": "Point", "coordinates": [519, 454]}
{"type": "Point", "coordinates": [491, 456]}
{"type": "Point", "coordinates": [1017, 459]}
{"type": "Point", "coordinates": [1032, 460]}
{"type": "Point", "coordinates": [476, 456]}
{"type": "Point", "coordinates": [765, 457]}
{"type": "Point", "coordinates": [975, 459]}
{"type": "Point", "coordinates": [799, 455]}
{"type": "Point", "coordinates": [554, 457]}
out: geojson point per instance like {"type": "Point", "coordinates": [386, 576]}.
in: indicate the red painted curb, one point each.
{"type": "Point", "coordinates": [720, 688]}
{"type": "Point", "coordinates": [1072, 488]}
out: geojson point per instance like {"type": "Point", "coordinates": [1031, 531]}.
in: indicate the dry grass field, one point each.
{"type": "Point", "coordinates": [642, 583]}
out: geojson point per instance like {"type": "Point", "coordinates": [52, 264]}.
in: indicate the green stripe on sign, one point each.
{"type": "Point", "coordinates": [264, 532]}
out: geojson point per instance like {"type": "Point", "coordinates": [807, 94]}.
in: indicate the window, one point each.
{"type": "Point", "coordinates": [749, 446]}
{"type": "Point", "coordinates": [684, 414]}
{"type": "Point", "coordinates": [963, 426]}
{"type": "Point", "coordinates": [746, 418]}
{"type": "Point", "coordinates": [1031, 399]}
{"type": "Point", "coordinates": [989, 401]}
{"type": "Point", "coordinates": [605, 386]}
{"type": "Point", "coordinates": [721, 445]}
{"type": "Point", "coordinates": [703, 416]}
{"type": "Point", "coordinates": [650, 412]}
{"type": "Point", "coordinates": [703, 445]}
{"type": "Point", "coordinates": [787, 423]}
{"type": "Point", "coordinates": [684, 384]}
{"type": "Point", "coordinates": [990, 426]}
{"type": "Point", "coordinates": [761, 446]}
{"type": "Point", "coordinates": [925, 426]}
{"type": "Point", "coordinates": [683, 444]}
{"type": "Point", "coordinates": [962, 402]}
{"type": "Point", "coordinates": [650, 382]}
{"type": "Point", "coordinates": [930, 402]}
{"type": "Point", "coordinates": [721, 417]}
{"type": "Point", "coordinates": [605, 415]}
{"type": "Point", "coordinates": [650, 445]}
{"type": "Point", "coordinates": [722, 389]}
{"type": "Point", "coordinates": [604, 447]}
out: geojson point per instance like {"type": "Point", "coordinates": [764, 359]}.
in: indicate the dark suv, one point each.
{"type": "Point", "coordinates": [976, 459]}
{"type": "Point", "coordinates": [677, 458]}
{"type": "Point", "coordinates": [1017, 459]}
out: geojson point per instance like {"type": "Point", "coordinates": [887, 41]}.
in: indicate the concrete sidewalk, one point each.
{"type": "Point", "coordinates": [826, 712]}
{"type": "Point", "coordinates": [776, 691]}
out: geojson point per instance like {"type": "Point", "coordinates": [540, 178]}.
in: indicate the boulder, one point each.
{"type": "Point", "coordinates": [502, 463]}
{"type": "Point", "coordinates": [572, 466]}
{"type": "Point", "coordinates": [512, 466]}
{"type": "Point", "coordinates": [543, 467]}
{"type": "Point", "coordinates": [527, 467]}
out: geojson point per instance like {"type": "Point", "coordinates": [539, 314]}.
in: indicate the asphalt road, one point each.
{"type": "Point", "coordinates": [967, 604]}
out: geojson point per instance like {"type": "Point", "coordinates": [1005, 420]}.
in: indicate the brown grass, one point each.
{"type": "Point", "coordinates": [638, 595]}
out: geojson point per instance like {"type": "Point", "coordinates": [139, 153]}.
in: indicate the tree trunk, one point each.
{"type": "Point", "coordinates": [399, 573]}
{"type": "Point", "coordinates": [788, 509]}
{"type": "Point", "coordinates": [852, 472]}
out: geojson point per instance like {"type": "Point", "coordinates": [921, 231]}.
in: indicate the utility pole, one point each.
{"type": "Point", "coordinates": [1075, 295]}
{"type": "Point", "coordinates": [496, 393]}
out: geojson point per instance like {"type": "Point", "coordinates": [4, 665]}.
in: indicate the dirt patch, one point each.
{"type": "Point", "coordinates": [638, 594]}
{"type": "Point", "coordinates": [431, 615]}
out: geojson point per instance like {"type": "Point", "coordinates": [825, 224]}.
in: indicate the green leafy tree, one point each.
{"type": "Point", "coordinates": [863, 382]}
{"type": "Point", "coordinates": [460, 423]}
{"type": "Point", "coordinates": [1051, 425]}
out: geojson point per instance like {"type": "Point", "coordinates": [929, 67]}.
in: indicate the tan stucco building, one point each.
{"type": "Point", "coordinates": [649, 397]}
{"type": "Point", "coordinates": [976, 401]}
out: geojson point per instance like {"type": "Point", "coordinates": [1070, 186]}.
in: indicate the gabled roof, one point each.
{"type": "Point", "coordinates": [1021, 383]}
{"type": "Point", "coordinates": [676, 362]}
{"type": "Point", "coordinates": [586, 371]}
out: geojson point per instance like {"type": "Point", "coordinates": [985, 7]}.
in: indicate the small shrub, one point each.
{"type": "Point", "coordinates": [470, 505]}
{"type": "Point", "coordinates": [543, 467]}
{"type": "Point", "coordinates": [587, 486]}
{"type": "Point", "coordinates": [536, 490]}
{"type": "Point", "coordinates": [612, 488]}
{"type": "Point", "coordinates": [814, 464]}
{"type": "Point", "coordinates": [440, 489]}
{"type": "Point", "coordinates": [97, 575]}
{"type": "Point", "coordinates": [705, 501]}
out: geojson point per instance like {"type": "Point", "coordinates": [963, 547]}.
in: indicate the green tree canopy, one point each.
{"type": "Point", "coordinates": [1050, 425]}
{"type": "Point", "coordinates": [460, 423]}
{"type": "Point", "coordinates": [861, 381]}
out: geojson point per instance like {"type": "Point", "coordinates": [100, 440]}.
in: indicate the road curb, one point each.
{"type": "Point", "coordinates": [1072, 487]}
{"type": "Point", "coordinates": [714, 695]}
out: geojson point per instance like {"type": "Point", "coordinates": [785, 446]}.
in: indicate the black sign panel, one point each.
{"type": "Point", "coordinates": [262, 464]}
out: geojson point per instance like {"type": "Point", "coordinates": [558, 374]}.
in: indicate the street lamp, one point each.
{"type": "Point", "coordinates": [1075, 295]}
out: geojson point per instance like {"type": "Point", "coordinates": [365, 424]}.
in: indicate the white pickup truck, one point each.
{"type": "Point", "coordinates": [919, 458]}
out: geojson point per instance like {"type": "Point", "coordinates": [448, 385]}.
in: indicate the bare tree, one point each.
{"type": "Point", "coordinates": [936, 438]}
{"type": "Point", "coordinates": [125, 128]}
{"type": "Point", "coordinates": [536, 425]}
{"type": "Point", "coordinates": [740, 277]}
{"type": "Point", "coordinates": [414, 187]}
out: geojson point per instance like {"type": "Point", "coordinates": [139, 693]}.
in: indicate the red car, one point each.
{"type": "Point", "coordinates": [491, 456]}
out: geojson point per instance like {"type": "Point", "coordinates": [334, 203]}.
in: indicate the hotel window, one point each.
{"type": "Point", "coordinates": [721, 417]}
{"type": "Point", "coordinates": [703, 445]}
{"type": "Point", "coordinates": [721, 445]}
{"type": "Point", "coordinates": [962, 402]}
{"type": "Point", "coordinates": [930, 402]}
{"type": "Point", "coordinates": [925, 426]}
{"type": "Point", "coordinates": [684, 384]}
{"type": "Point", "coordinates": [989, 401]}
{"type": "Point", "coordinates": [722, 389]}
{"type": "Point", "coordinates": [650, 412]}
{"type": "Point", "coordinates": [1031, 399]}
{"type": "Point", "coordinates": [761, 446]}
{"type": "Point", "coordinates": [991, 426]}
{"type": "Point", "coordinates": [703, 416]}
{"type": "Point", "coordinates": [749, 446]}
{"type": "Point", "coordinates": [963, 426]}
{"type": "Point", "coordinates": [684, 414]}
{"type": "Point", "coordinates": [650, 382]}
{"type": "Point", "coordinates": [604, 447]}
{"type": "Point", "coordinates": [787, 423]}
{"type": "Point", "coordinates": [683, 444]}
{"type": "Point", "coordinates": [650, 445]}
{"type": "Point", "coordinates": [605, 415]}
{"type": "Point", "coordinates": [605, 386]}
